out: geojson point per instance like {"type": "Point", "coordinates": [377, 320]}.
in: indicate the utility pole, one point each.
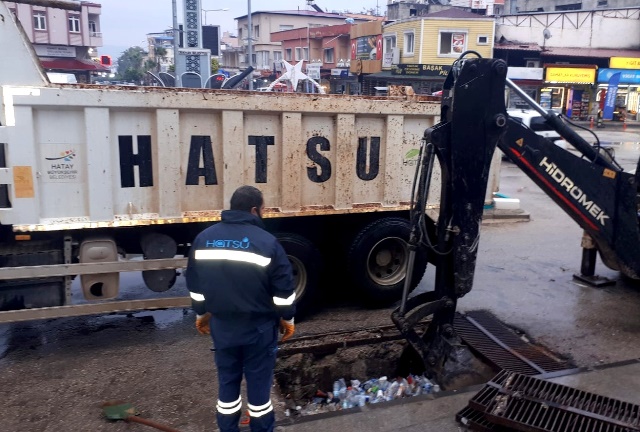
{"type": "Point", "coordinates": [176, 44]}
{"type": "Point", "coordinates": [249, 42]}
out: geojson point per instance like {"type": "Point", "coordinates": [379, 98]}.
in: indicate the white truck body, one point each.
{"type": "Point", "coordinates": [119, 164]}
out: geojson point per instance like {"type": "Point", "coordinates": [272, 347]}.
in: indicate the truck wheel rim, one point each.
{"type": "Point", "coordinates": [299, 276]}
{"type": "Point", "coordinates": [386, 261]}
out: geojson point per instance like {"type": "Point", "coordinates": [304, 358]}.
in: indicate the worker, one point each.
{"type": "Point", "coordinates": [241, 285]}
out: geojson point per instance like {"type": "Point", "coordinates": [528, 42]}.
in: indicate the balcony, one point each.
{"type": "Point", "coordinates": [95, 39]}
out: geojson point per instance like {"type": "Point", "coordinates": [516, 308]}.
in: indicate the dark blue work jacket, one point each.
{"type": "Point", "coordinates": [241, 274]}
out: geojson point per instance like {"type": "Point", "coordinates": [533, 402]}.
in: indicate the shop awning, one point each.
{"type": "Point", "coordinates": [387, 75]}
{"type": "Point", "coordinates": [72, 65]}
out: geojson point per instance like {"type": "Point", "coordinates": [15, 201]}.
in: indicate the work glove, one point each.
{"type": "Point", "coordinates": [202, 324]}
{"type": "Point", "coordinates": [286, 329]}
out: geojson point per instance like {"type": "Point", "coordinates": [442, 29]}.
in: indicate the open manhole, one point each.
{"type": "Point", "coordinates": [308, 366]}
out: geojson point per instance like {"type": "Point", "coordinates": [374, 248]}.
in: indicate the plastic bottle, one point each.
{"type": "Point", "coordinates": [383, 383]}
{"type": "Point", "coordinates": [390, 392]}
{"type": "Point", "coordinates": [336, 388]}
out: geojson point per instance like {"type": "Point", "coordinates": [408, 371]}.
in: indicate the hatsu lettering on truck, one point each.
{"type": "Point", "coordinates": [576, 193]}
{"type": "Point", "coordinates": [201, 160]}
{"type": "Point", "coordinates": [234, 244]}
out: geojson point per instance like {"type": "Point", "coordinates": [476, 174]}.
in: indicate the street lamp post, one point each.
{"type": "Point", "coordinates": [211, 10]}
{"type": "Point", "coordinates": [176, 45]}
{"type": "Point", "coordinates": [249, 47]}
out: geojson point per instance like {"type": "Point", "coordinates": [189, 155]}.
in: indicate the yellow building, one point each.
{"type": "Point", "coordinates": [419, 51]}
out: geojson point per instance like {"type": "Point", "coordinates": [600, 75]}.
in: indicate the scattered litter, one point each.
{"type": "Point", "coordinates": [373, 391]}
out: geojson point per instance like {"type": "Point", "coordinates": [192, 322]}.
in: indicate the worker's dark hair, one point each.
{"type": "Point", "coordinates": [245, 198]}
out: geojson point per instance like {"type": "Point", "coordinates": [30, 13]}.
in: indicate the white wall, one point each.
{"type": "Point", "coordinates": [615, 29]}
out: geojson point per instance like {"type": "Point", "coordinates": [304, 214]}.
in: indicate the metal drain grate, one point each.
{"type": "Point", "coordinates": [530, 404]}
{"type": "Point", "coordinates": [502, 347]}
{"type": "Point", "coordinates": [475, 421]}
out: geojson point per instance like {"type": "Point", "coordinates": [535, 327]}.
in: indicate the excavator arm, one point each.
{"type": "Point", "coordinates": [592, 189]}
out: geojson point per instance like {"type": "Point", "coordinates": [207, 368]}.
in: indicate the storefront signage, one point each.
{"type": "Point", "coordinates": [626, 76]}
{"type": "Point", "coordinates": [610, 101]}
{"type": "Point", "coordinates": [313, 71]}
{"type": "Point", "coordinates": [367, 48]}
{"type": "Point", "coordinates": [625, 62]}
{"type": "Point", "coordinates": [429, 70]}
{"type": "Point", "coordinates": [55, 51]}
{"type": "Point", "coordinates": [570, 75]}
{"type": "Point", "coordinates": [342, 73]}
{"type": "Point", "coordinates": [525, 73]}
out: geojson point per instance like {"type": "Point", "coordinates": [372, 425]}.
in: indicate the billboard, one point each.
{"type": "Point", "coordinates": [367, 48]}
{"type": "Point", "coordinates": [211, 39]}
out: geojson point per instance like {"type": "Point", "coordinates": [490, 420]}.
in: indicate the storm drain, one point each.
{"type": "Point", "coordinates": [504, 348]}
{"type": "Point", "coordinates": [524, 403]}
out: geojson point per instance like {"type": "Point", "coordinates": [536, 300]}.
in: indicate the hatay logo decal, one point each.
{"type": "Point", "coordinates": [61, 165]}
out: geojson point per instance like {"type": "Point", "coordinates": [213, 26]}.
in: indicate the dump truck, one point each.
{"type": "Point", "coordinates": [98, 180]}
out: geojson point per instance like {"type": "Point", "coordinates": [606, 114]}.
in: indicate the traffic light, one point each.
{"type": "Point", "coordinates": [105, 60]}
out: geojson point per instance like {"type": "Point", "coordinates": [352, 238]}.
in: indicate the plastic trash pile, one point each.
{"type": "Point", "coordinates": [370, 392]}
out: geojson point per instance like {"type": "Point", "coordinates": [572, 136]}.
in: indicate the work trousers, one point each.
{"type": "Point", "coordinates": [257, 362]}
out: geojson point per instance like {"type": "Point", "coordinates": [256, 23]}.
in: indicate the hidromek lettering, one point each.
{"type": "Point", "coordinates": [574, 191]}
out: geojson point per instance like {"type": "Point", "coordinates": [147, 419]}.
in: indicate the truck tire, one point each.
{"type": "Point", "coordinates": [307, 264]}
{"type": "Point", "coordinates": [377, 261]}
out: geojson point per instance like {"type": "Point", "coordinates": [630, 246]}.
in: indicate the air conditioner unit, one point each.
{"type": "Point", "coordinates": [396, 55]}
{"type": "Point", "coordinates": [533, 63]}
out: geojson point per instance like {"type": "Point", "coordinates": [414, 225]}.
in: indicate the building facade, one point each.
{"type": "Point", "coordinates": [418, 52]}
{"type": "Point", "coordinates": [578, 52]}
{"type": "Point", "coordinates": [65, 41]}
{"type": "Point", "coordinates": [266, 54]}
{"type": "Point", "coordinates": [528, 6]}
{"type": "Point", "coordinates": [325, 48]}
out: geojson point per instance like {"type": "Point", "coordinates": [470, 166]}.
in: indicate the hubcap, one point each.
{"type": "Point", "coordinates": [299, 276]}
{"type": "Point", "coordinates": [387, 260]}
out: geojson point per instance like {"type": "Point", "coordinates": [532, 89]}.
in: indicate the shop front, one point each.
{"type": "Point", "coordinates": [568, 89]}
{"type": "Point", "coordinates": [622, 80]}
{"type": "Point", "coordinates": [344, 82]}
{"type": "Point", "coordinates": [625, 86]}
{"type": "Point", "coordinates": [425, 79]}
{"type": "Point", "coordinates": [530, 80]}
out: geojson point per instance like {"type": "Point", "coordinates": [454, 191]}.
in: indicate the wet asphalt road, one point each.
{"type": "Point", "coordinates": [55, 374]}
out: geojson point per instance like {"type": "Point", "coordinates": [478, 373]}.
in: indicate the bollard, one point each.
{"type": "Point", "coordinates": [624, 124]}
{"type": "Point", "coordinates": [591, 122]}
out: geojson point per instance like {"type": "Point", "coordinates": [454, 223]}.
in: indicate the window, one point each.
{"type": "Point", "coordinates": [566, 7]}
{"type": "Point", "coordinates": [285, 27]}
{"type": "Point", "coordinates": [39, 21]}
{"type": "Point", "coordinates": [483, 40]}
{"type": "Point", "coordinates": [603, 3]}
{"type": "Point", "coordinates": [93, 27]}
{"type": "Point", "coordinates": [298, 54]}
{"type": "Point", "coordinates": [305, 54]}
{"type": "Point", "coordinates": [287, 54]}
{"type": "Point", "coordinates": [256, 31]}
{"type": "Point", "coordinates": [277, 56]}
{"type": "Point", "coordinates": [74, 23]}
{"type": "Point", "coordinates": [240, 35]}
{"type": "Point", "coordinates": [409, 39]}
{"type": "Point", "coordinates": [452, 43]}
{"type": "Point", "coordinates": [329, 56]}
{"type": "Point", "coordinates": [254, 59]}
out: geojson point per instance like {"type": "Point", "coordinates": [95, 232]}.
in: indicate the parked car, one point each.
{"type": "Point", "coordinates": [533, 119]}
{"type": "Point", "coordinates": [537, 123]}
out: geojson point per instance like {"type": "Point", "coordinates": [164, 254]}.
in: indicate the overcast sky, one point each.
{"type": "Point", "coordinates": [125, 23]}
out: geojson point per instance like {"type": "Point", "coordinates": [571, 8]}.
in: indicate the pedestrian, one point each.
{"type": "Point", "coordinates": [241, 285]}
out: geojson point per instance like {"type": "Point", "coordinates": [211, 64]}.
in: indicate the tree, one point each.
{"type": "Point", "coordinates": [130, 64]}
{"type": "Point", "coordinates": [215, 65]}
{"type": "Point", "coordinates": [161, 53]}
